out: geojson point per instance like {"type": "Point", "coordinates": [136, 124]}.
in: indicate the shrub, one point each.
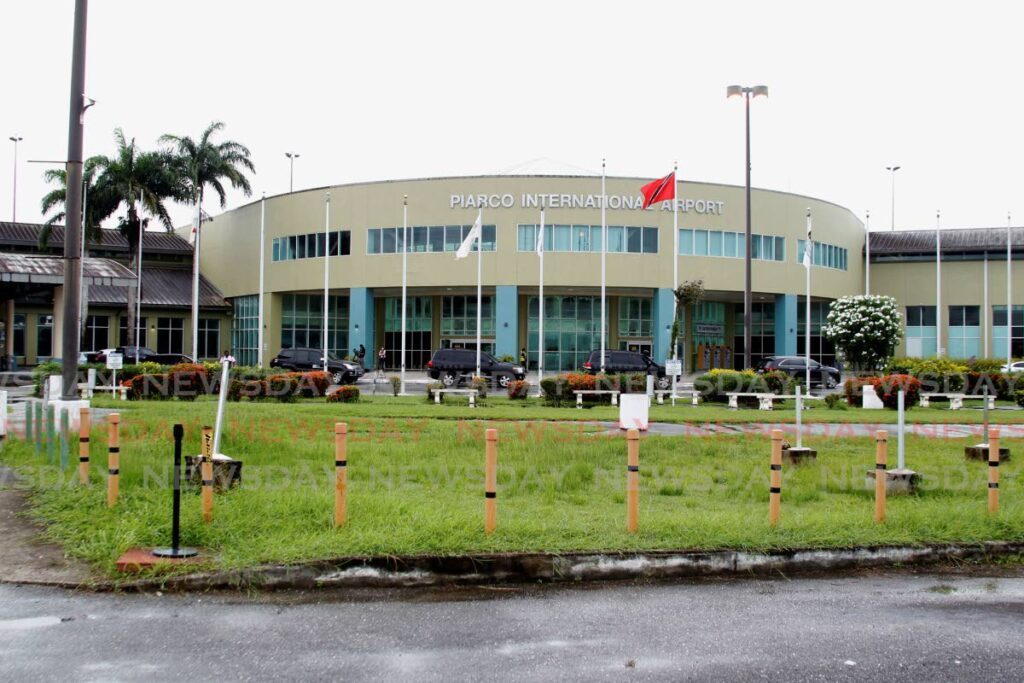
{"type": "Point", "coordinates": [558, 390]}
{"type": "Point", "coordinates": [252, 389]}
{"type": "Point", "coordinates": [431, 388]}
{"type": "Point", "coordinates": [864, 328]}
{"type": "Point", "coordinates": [1019, 395]}
{"type": "Point", "coordinates": [480, 384]}
{"type": "Point", "coordinates": [396, 384]}
{"type": "Point", "coordinates": [835, 402]}
{"type": "Point", "coordinates": [309, 384]}
{"type": "Point", "coordinates": [150, 386]}
{"type": "Point", "coordinates": [348, 393]}
{"type": "Point", "coordinates": [985, 365]}
{"type": "Point", "coordinates": [1000, 386]}
{"type": "Point", "coordinates": [716, 384]}
{"type": "Point", "coordinates": [779, 382]}
{"type": "Point", "coordinates": [887, 387]}
{"type": "Point", "coordinates": [852, 390]}
{"type": "Point", "coordinates": [518, 389]}
{"type": "Point", "coordinates": [187, 381]}
{"type": "Point", "coordinates": [41, 372]}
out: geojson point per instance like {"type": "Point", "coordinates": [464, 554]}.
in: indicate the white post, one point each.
{"type": "Point", "coordinates": [900, 429]}
{"type": "Point", "coordinates": [675, 273]}
{"type": "Point", "coordinates": [540, 302]}
{"type": "Point", "coordinates": [3, 414]}
{"type": "Point", "coordinates": [799, 418]}
{"type": "Point", "coordinates": [225, 381]}
{"type": "Point", "coordinates": [327, 269]}
{"type": "Point", "coordinates": [90, 382]}
{"type": "Point", "coordinates": [984, 305]}
{"type": "Point", "coordinates": [405, 253]}
{"type": "Point", "coordinates": [263, 249]}
{"type": "Point", "coordinates": [807, 314]}
{"type": "Point", "coordinates": [479, 290]}
{"type": "Point", "coordinates": [1009, 293]}
{"type": "Point", "coordinates": [938, 287]}
{"type": "Point", "coordinates": [138, 288]}
{"type": "Point", "coordinates": [867, 254]}
{"type": "Point", "coordinates": [195, 281]}
{"type": "Point", "coordinates": [604, 254]}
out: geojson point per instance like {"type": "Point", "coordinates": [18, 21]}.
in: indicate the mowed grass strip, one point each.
{"type": "Point", "coordinates": [416, 486]}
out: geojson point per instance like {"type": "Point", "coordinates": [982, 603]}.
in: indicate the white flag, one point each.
{"type": "Point", "coordinates": [474, 234]}
{"type": "Point", "coordinates": [807, 252]}
{"type": "Point", "coordinates": [540, 239]}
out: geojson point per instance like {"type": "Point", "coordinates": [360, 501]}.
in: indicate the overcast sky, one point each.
{"type": "Point", "coordinates": [382, 90]}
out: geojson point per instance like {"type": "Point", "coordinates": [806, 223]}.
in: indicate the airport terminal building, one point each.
{"type": "Point", "coordinates": [362, 232]}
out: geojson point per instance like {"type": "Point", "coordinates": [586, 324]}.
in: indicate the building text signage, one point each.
{"type": "Point", "coordinates": [576, 201]}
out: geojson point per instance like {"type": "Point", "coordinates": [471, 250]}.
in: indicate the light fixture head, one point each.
{"type": "Point", "coordinates": [733, 90]}
{"type": "Point", "coordinates": [760, 91]}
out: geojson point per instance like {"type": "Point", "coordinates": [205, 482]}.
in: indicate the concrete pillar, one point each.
{"type": "Point", "coordinates": [506, 318]}
{"type": "Point", "coordinates": [361, 322]}
{"type": "Point", "coordinates": [785, 324]}
{"type": "Point", "coordinates": [661, 335]}
{"type": "Point", "coordinates": [9, 326]}
{"type": "Point", "coordinates": [58, 321]}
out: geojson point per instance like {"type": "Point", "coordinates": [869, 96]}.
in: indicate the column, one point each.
{"type": "Point", "coordinates": [361, 323]}
{"type": "Point", "coordinates": [506, 317]}
{"type": "Point", "coordinates": [57, 333]}
{"type": "Point", "coordinates": [785, 324]}
{"type": "Point", "coordinates": [9, 322]}
{"type": "Point", "coordinates": [661, 335]}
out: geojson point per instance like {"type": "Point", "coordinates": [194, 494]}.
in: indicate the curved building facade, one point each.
{"type": "Point", "coordinates": [363, 227]}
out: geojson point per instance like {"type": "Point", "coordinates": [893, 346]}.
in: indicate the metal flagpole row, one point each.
{"type": "Point", "coordinates": [540, 301]}
{"type": "Point", "coordinates": [327, 266]}
{"type": "Point", "coordinates": [479, 284]}
{"type": "Point", "coordinates": [604, 252]}
{"type": "Point", "coordinates": [405, 281]}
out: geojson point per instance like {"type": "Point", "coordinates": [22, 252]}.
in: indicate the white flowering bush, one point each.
{"type": "Point", "coordinates": [865, 329]}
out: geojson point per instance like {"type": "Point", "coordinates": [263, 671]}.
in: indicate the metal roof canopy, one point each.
{"type": "Point", "coordinates": [970, 240]}
{"type": "Point", "coordinates": [49, 270]}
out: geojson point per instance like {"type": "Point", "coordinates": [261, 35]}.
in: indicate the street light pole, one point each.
{"type": "Point", "coordinates": [14, 197]}
{"type": "Point", "coordinates": [292, 156]}
{"type": "Point", "coordinates": [892, 194]}
{"type": "Point", "coordinates": [73, 209]}
{"type": "Point", "coordinates": [747, 92]}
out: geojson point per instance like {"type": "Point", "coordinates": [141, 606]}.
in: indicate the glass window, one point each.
{"type": "Point", "coordinates": [388, 243]}
{"type": "Point", "coordinates": [715, 243]}
{"type": "Point", "coordinates": [488, 238]}
{"type": "Point", "coordinates": [563, 238]}
{"type": "Point", "coordinates": [276, 250]}
{"type": "Point", "coordinates": [700, 242]}
{"type": "Point", "coordinates": [526, 237]}
{"type": "Point", "coordinates": [170, 335]}
{"type": "Point", "coordinates": [595, 237]}
{"type": "Point", "coordinates": [756, 245]}
{"type": "Point", "coordinates": [685, 242]}
{"type": "Point", "coordinates": [780, 248]}
{"type": "Point", "coordinates": [209, 338]}
{"type": "Point", "coordinates": [245, 330]}
{"type": "Point", "coordinates": [616, 240]}
{"type": "Point", "coordinates": [650, 240]}
{"type": "Point", "coordinates": [141, 329]}
{"type": "Point", "coordinates": [729, 244]}
{"type": "Point", "coordinates": [452, 237]}
{"type": "Point", "coordinates": [97, 328]}
{"type": "Point", "coordinates": [634, 240]}
{"type": "Point", "coordinates": [373, 241]}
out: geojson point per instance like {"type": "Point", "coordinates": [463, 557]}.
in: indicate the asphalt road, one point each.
{"type": "Point", "coordinates": [888, 627]}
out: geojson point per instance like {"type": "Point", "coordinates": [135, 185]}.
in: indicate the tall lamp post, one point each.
{"type": "Point", "coordinates": [292, 156]}
{"type": "Point", "coordinates": [14, 196]}
{"type": "Point", "coordinates": [747, 93]}
{"type": "Point", "coordinates": [892, 194]}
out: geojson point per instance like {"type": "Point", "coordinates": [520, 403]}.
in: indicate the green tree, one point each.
{"type": "Point", "coordinates": [140, 182]}
{"type": "Point", "coordinates": [865, 329]}
{"type": "Point", "coordinates": [690, 293]}
{"type": "Point", "coordinates": [54, 201]}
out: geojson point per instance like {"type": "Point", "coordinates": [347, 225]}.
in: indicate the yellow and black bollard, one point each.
{"type": "Point", "coordinates": [113, 458]}
{"type": "Point", "coordinates": [881, 455]}
{"type": "Point", "coordinates": [84, 429]}
{"type": "Point", "coordinates": [632, 480]}
{"type": "Point", "coordinates": [491, 482]}
{"type": "Point", "coordinates": [340, 473]}
{"type": "Point", "coordinates": [775, 490]}
{"type": "Point", "coordinates": [993, 470]}
{"type": "Point", "coordinates": [206, 474]}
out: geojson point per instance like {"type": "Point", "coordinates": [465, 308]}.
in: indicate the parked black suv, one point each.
{"type": "Point", "coordinates": [342, 371]}
{"type": "Point", "coordinates": [796, 367]}
{"type": "Point", "coordinates": [616, 362]}
{"type": "Point", "coordinates": [452, 365]}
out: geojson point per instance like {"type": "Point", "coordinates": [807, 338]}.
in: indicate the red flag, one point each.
{"type": "Point", "coordinates": [659, 190]}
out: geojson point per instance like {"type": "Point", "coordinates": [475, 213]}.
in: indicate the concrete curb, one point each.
{"type": "Point", "coordinates": [423, 571]}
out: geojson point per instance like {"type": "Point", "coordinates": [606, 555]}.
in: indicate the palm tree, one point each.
{"type": "Point", "coordinates": [139, 181]}
{"type": "Point", "coordinates": [54, 200]}
{"type": "Point", "coordinates": [200, 164]}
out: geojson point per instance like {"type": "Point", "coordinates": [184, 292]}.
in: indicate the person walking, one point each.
{"type": "Point", "coordinates": [361, 355]}
{"type": "Point", "coordinates": [382, 359]}
{"type": "Point", "coordinates": [523, 358]}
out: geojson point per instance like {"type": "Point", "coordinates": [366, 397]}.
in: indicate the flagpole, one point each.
{"type": "Point", "coordinates": [540, 319]}
{"type": "Point", "coordinates": [405, 277]}
{"type": "Point", "coordinates": [675, 271]}
{"type": "Point", "coordinates": [1009, 295]}
{"type": "Point", "coordinates": [259, 321]}
{"type": "Point", "coordinates": [479, 284]}
{"type": "Point", "coordinates": [195, 281]}
{"type": "Point", "coordinates": [867, 256]}
{"type": "Point", "coordinates": [604, 253]}
{"type": "Point", "coordinates": [938, 286]}
{"type": "Point", "coordinates": [327, 261]}
{"type": "Point", "coordinates": [807, 304]}
{"type": "Point", "coordinates": [138, 285]}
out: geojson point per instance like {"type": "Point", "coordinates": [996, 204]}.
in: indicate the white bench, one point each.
{"type": "Point", "coordinates": [114, 391]}
{"type": "Point", "coordinates": [956, 401]}
{"type": "Point", "coordinates": [765, 400]}
{"type": "Point", "coordinates": [694, 396]}
{"type": "Point", "coordinates": [472, 393]}
{"type": "Point", "coordinates": [580, 393]}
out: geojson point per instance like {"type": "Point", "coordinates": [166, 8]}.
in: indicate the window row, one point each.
{"type": "Point", "coordinates": [622, 239]}
{"type": "Point", "coordinates": [962, 316]}
{"type": "Point", "coordinates": [731, 245]}
{"type": "Point", "coordinates": [824, 255]}
{"type": "Point", "coordinates": [434, 238]}
{"type": "Point", "coordinates": [312, 245]}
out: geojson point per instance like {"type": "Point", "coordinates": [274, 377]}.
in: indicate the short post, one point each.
{"type": "Point", "coordinates": [901, 428]}
{"type": "Point", "coordinates": [632, 480]}
{"type": "Point", "coordinates": [51, 435]}
{"type": "Point", "coordinates": [113, 458]}
{"type": "Point", "coordinates": [984, 434]}
{"type": "Point", "coordinates": [30, 409]}
{"type": "Point", "coordinates": [340, 473]}
{"type": "Point", "coordinates": [206, 475]}
{"type": "Point", "coordinates": [993, 471]}
{"type": "Point", "coordinates": [775, 490]}
{"type": "Point", "coordinates": [84, 429]}
{"type": "Point", "coordinates": [40, 434]}
{"type": "Point", "coordinates": [491, 482]}
{"type": "Point", "coordinates": [3, 415]}
{"type": "Point", "coordinates": [799, 418]}
{"type": "Point", "coordinates": [65, 427]}
{"type": "Point", "coordinates": [881, 454]}
{"type": "Point", "coordinates": [176, 550]}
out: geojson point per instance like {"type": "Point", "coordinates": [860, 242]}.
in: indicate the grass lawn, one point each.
{"type": "Point", "coordinates": [416, 486]}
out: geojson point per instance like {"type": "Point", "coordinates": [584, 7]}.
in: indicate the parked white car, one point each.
{"type": "Point", "coordinates": [1015, 367]}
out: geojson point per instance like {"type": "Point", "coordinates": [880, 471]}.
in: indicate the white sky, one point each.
{"type": "Point", "coordinates": [380, 90]}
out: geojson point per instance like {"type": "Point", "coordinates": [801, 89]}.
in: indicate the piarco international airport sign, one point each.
{"type": "Point", "coordinates": [577, 201]}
